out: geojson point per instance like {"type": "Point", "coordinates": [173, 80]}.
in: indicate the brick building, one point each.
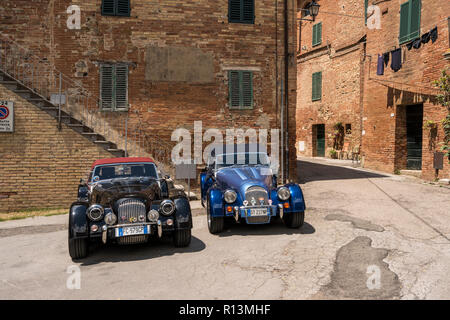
{"type": "Point", "coordinates": [157, 66]}
{"type": "Point", "coordinates": [386, 111]}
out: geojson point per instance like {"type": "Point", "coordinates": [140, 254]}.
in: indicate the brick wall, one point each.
{"type": "Point", "coordinates": [387, 97]}
{"type": "Point", "coordinates": [40, 167]}
{"type": "Point", "coordinates": [338, 57]}
{"type": "Point", "coordinates": [201, 24]}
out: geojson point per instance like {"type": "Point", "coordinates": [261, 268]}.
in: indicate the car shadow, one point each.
{"type": "Point", "coordinates": [99, 253]}
{"type": "Point", "coordinates": [274, 228]}
{"type": "Point", "coordinates": [310, 171]}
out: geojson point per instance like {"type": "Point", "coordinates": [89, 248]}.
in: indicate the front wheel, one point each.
{"type": "Point", "coordinates": [215, 224]}
{"type": "Point", "coordinates": [182, 238]}
{"type": "Point", "coordinates": [78, 248]}
{"type": "Point", "coordinates": [294, 220]}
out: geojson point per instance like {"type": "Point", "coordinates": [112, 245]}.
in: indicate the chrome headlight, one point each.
{"type": "Point", "coordinates": [153, 215]}
{"type": "Point", "coordinates": [167, 207]}
{"type": "Point", "coordinates": [110, 219]}
{"type": "Point", "coordinates": [95, 212]}
{"type": "Point", "coordinates": [283, 193]}
{"type": "Point", "coordinates": [230, 196]}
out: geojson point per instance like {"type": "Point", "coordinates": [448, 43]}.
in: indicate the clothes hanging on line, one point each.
{"type": "Point", "coordinates": [386, 58]}
{"type": "Point", "coordinates": [434, 34]}
{"type": "Point", "coordinates": [409, 45]}
{"type": "Point", "coordinates": [417, 43]}
{"type": "Point", "coordinates": [380, 65]}
{"type": "Point", "coordinates": [426, 37]}
{"type": "Point", "coordinates": [396, 63]}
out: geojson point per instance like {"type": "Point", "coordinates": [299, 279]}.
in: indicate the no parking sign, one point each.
{"type": "Point", "coordinates": [6, 116]}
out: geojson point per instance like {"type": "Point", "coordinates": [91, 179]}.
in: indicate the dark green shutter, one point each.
{"type": "Point", "coordinates": [317, 34]}
{"type": "Point", "coordinates": [317, 86]}
{"type": "Point", "coordinates": [366, 6]}
{"type": "Point", "coordinates": [241, 11]}
{"type": "Point", "coordinates": [106, 86]}
{"type": "Point", "coordinates": [410, 13]}
{"type": "Point", "coordinates": [240, 89]}
{"type": "Point", "coordinates": [123, 8]}
{"type": "Point", "coordinates": [114, 87]}
{"type": "Point", "coordinates": [121, 87]}
{"type": "Point", "coordinates": [116, 8]}
{"type": "Point", "coordinates": [414, 30]}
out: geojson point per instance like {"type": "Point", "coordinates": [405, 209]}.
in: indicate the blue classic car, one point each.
{"type": "Point", "coordinates": [240, 184]}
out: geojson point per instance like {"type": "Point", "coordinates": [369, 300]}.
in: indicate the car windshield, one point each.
{"type": "Point", "coordinates": [130, 170]}
{"type": "Point", "coordinates": [242, 159]}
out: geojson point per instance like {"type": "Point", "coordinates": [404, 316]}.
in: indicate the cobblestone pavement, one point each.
{"type": "Point", "coordinates": [367, 235]}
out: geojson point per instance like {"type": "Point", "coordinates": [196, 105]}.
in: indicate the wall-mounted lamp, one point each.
{"type": "Point", "coordinates": [312, 9]}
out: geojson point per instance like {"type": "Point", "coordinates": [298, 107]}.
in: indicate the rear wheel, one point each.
{"type": "Point", "coordinates": [294, 219]}
{"type": "Point", "coordinates": [78, 248]}
{"type": "Point", "coordinates": [182, 238]}
{"type": "Point", "coordinates": [215, 224]}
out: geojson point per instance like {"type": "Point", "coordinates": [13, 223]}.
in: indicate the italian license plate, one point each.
{"type": "Point", "coordinates": [131, 231]}
{"type": "Point", "coordinates": [258, 212]}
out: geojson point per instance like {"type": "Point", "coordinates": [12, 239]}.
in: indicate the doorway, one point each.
{"type": "Point", "coordinates": [414, 123]}
{"type": "Point", "coordinates": [319, 130]}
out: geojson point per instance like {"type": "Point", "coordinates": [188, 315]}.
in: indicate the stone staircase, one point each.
{"type": "Point", "coordinates": [53, 110]}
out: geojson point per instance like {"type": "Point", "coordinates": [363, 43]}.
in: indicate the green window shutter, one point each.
{"type": "Point", "coordinates": [317, 86]}
{"type": "Point", "coordinates": [415, 8]}
{"type": "Point", "coordinates": [106, 87]}
{"type": "Point", "coordinates": [123, 8]}
{"type": "Point", "coordinates": [121, 87]}
{"type": "Point", "coordinates": [241, 11]}
{"type": "Point", "coordinates": [240, 89]}
{"type": "Point", "coordinates": [410, 14]}
{"type": "Point", "coordinates": [108, 7]}
{"type": "Point", "coordinates": [317, 34]}
{"type": "Point", "coordinates": [247, 89]}
{"type": "Point", "coordinates": [234, 88]}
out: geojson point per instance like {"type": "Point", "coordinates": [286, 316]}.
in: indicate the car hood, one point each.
{"type": "Point", "coordinates": [241, 178]}
{"type": "Point", "coordinates": [105, 192]}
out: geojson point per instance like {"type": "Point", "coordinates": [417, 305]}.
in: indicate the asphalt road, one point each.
{"type": "Point", "coordinates": [366, 236]}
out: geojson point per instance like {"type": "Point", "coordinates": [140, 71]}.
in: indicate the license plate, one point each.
{"type": "Point", "coordinates": [131, 231]}
{"type": "Point", "coordinates": [258, 212]}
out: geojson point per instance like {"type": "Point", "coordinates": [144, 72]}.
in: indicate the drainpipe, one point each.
{"type": "Point", "coordinates": [286, 87]}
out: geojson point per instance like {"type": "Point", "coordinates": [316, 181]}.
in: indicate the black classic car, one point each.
{"type": "Point", "coordinates": [126, 201]}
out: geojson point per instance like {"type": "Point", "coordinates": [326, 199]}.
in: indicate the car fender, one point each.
{"type": "Point", "coordinates": [296, 201]}
{"type": "Point", "coordinates": [78, 223]}
{"type": "Point", "coordinates": [183, 215]}
{"type": "Point", "coordinates": [216, 202]}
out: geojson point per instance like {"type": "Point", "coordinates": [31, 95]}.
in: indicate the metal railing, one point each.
{"type": "Point", "coordinates": [41, 77]}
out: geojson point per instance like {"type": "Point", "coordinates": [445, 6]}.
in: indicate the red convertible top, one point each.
{"type": "Point", "coordinates": [120, 160]}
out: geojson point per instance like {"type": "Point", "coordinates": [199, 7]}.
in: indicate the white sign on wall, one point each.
{"type": "Point", "coordinates": [301, 146]}
{"type": "Point", "coordinates": [6, 116]}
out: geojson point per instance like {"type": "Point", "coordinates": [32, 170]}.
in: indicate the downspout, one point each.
{"type": "Point", "coordinates": [286, 86]}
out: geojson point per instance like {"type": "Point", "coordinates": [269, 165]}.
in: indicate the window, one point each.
{"type": "Point", "coordinates": [317, 34]}
{"type": "Point", "coordinates": [241, 89]}
{"type": "Point", "coordinates": [116, 8]}
{"type": "Point", "coordinates": [317, 86]}
{"type": "Point", "coordinates": [410, 20]}
{"type": "Point", "coordinates": [114, 87]}
{"type": "Point", "coordinates": [241, 11]}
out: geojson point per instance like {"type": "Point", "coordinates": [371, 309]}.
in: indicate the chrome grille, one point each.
{"type": "Point", "coordinates": [131, 211]}
{"type": "Point", "coordinates": [256, 193]}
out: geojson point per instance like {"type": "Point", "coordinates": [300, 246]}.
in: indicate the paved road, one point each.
{"type": "Point", "coordinates": [366, 236]}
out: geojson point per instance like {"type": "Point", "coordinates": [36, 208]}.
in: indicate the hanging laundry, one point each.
{"type": "Point", "coordinates": [386, 58]}
{"type": "Point", "coordinates": [426, 37]}
{"type": "Point", "coordinates": [434, 34]}
{"type": "Point", "coordinates": [380, 65]}
{"type": "Point", "coordinates": [396, 63]}
{"type": "Point", "coordinates": [417, 43]}
{"type": "Point", "coordinates": [409, 45]}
